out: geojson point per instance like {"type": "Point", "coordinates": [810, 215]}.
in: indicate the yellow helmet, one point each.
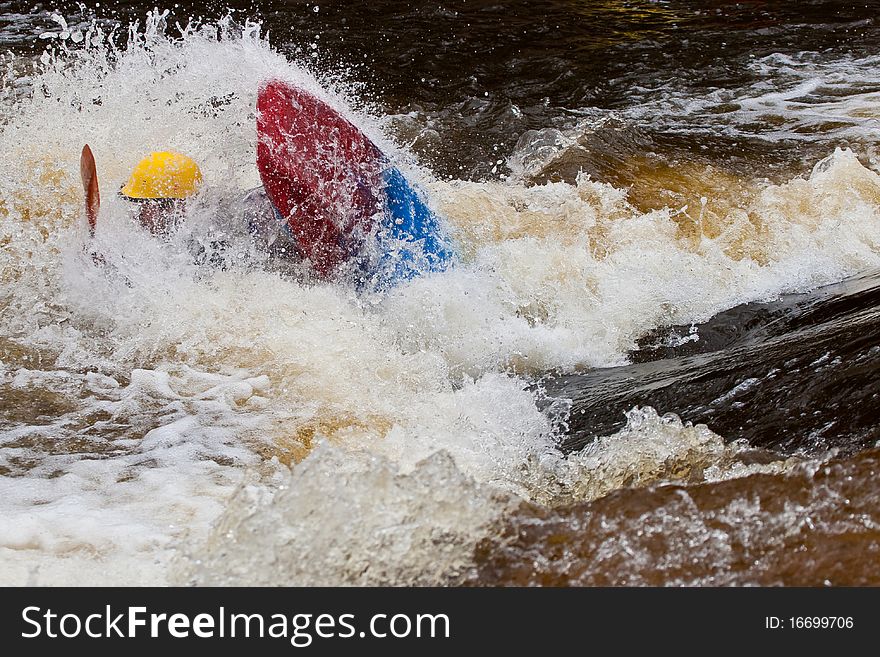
{"type": "Point", "coordinates": [164, 175]}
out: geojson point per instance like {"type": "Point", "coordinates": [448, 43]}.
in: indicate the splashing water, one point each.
{"type": "Point", "coordinates": [167, 401]}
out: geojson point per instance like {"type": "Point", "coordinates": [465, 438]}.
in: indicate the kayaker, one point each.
{"type": "Point", "coordinates": [164, 184]}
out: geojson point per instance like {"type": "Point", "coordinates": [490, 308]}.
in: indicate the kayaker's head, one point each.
{"type": "Point", "coordinates": [160, 185]}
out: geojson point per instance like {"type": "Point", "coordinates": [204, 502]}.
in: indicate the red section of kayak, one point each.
{"type": "Point", "coordinates": [320, 171]}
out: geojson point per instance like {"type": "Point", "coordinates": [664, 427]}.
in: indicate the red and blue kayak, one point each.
{"type": "Point", "coordinates": [342, 199]}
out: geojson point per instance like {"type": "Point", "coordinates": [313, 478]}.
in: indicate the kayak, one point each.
{"type": "Point", "coordinates": [342, 198]}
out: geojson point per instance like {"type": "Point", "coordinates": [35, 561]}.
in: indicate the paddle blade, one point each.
{"type": "Point", "coordinates": [89, 176]}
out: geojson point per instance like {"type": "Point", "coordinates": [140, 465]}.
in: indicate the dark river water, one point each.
{"type": "Point", "coordinates": [657, 365]}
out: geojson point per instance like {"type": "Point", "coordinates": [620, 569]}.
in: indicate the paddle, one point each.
{"type": "Point", "coordinates": [90, 187]}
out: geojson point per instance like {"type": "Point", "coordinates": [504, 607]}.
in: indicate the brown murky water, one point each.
{"type": "Point", "coordinates": [816, 526]}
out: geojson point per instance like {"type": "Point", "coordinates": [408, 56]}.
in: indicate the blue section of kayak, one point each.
{"type": "Point", "coordinates": [411, 237]}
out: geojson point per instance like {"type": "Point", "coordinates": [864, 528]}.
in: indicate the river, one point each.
{"type": "Point", "coordinates": [656, 362]}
